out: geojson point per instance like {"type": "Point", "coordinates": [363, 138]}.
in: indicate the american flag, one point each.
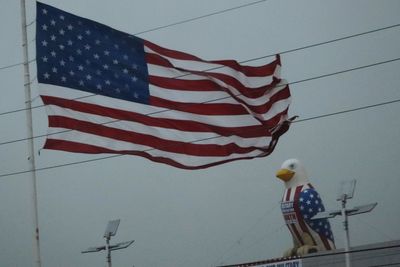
{"type": "Point", "coordinates": [299, 205]}
{"type": "Point", "coordinates": [107, 91]}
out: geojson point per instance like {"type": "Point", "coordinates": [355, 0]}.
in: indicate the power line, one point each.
{"type": "Point", "coordinates": [222, 98]}
{"type": "Point", "coordinates": [162, 27]}
{"type": "Point", "coordinates": [200, 17]}
{"type": "Point", "coordinates": [119, 155]}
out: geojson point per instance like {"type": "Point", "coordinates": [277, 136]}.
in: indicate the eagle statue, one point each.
{"type": "Point", "coordinates": [300, 202]}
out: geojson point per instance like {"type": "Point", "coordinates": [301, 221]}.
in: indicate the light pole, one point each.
{"type": "Point", "coordinates": [111, 230]}
{"type": "Point", "coordinates": [346, 191]}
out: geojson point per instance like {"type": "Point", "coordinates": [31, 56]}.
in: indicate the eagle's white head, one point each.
{"type": "Point", "coordinates": [292, 172]}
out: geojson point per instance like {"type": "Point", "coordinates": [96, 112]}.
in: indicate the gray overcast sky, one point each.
{"type": "Point", "coordinates": [230, 213]}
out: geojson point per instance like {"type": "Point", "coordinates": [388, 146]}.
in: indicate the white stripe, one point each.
{"type": "Point", "coordinates": [166, 72]}
{"type": "Point", "coordinates": [192, 96]}
{"type": "Point", "coordinates": [191, 65]}
{"type": "Point", "coordinates": [187, 160]}
{"type": "Point", "coordinates": [166, 134]}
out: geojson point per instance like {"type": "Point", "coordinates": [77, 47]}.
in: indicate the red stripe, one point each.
{"type": "Point", "coordinates": [184, 85]}
{"type": "Point", "coordinates": [182, 125]}
{"type": "Point", "coordinates": [212, 150]}
{"type": "Point", "coordinates": [288, 192]}
{"type": "Point", "coordinates": [200, 108]}
{"type": "Point", "coordinates": [70, 146]}
{"type": "Point", "coordinates": [251, 71]}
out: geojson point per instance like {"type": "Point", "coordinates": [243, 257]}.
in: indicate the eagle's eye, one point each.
{"type": "Point", "coordinates": [291, 166]}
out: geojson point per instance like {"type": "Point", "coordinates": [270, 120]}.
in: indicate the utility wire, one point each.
{"type": "Point", "coordinates": [165, 26]}
{"type": "Point", "coordinates": [119, 155]}
{"type": "Point", "coordinates": [222, 98]}
{"type": "Point", "coordinates": [200, 17]}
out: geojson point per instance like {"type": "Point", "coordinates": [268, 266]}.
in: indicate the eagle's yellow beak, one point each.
{"type": "Point", "coordinates": [285, 174]}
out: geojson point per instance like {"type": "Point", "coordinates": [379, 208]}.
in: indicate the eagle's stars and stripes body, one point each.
{"type": "Point", "coordinates": [299, 205]}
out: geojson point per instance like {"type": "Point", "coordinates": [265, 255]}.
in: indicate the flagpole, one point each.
{"type": "Point", "coordinates": [29, 121]}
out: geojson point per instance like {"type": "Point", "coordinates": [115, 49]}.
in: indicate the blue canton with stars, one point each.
{"type": "Point", "coordinates": [82, 54]}
{"type": "Point", "coordinates": [310, 204]}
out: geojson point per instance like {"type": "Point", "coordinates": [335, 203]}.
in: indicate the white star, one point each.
{"type": "Point", "coordinates": [316, 202]}
{"type": "Point", "coordinates": [302, 207]}
{"type": "Point", "coordinates": [70, 27]}
{"type": "Point", "coordinates": [79, 52]}
{"type": "Point", "coordinates": [71, 58]}
{"type": "Point", "coordinates": [61, 47]}
{"type": "Point", "coordinates": [62, 17]}
{"type": "Point", "coordinates": [80, 67]}
{"type": "Point", "coordinates": [116, 46]}
{"type": "Point", "coordinates": [125, 57]}
{"type": "Point", "coordinates": [308, 202]}
{"type": "Point", "coordinates": [53, 22]}
{"type": "Point", "coordinates": [105, 66]}
{"type": "Point", "coordinates": [135, 95]}
{"type": "Point", "coordinates": [97, 42]}
{"type": "Point", "coordinates": [98, 86]}
{"type": "Point", "coordinates": [134, 79]}
{"type": "Point", "coordinates": [98, 72]}
{"type": "Point", "coordinates": [87, 32]}
{"type": "Point", "coordinates": [44, 11]}
{"type": "Point", "coordinates": [63, 79]}
{"type": "Point", "coordinates": [79, 37]}
{"type": "Point", "coordinates": [88, 77]}
{"type": "Point", "coordinates": [71, 73]}
{"type": "Point", "coordinates": [125, 71]}
{"type": "Point", "coordinates": [44, 59]}
{"type": "Point", "coordinates": [301, 199]}
{"type": "Point", "coordinates": [311, 196]}
{"type": "Point", "coordinates": [134, 66]}
{"type": "Point", "coordinates": [44, 43]}
{"type": "Point", "coordinates": [46, 75]}
{"type": "Point", "coordinates": [115, 61]}
{"type": "Point", "coordinates": [44, 27]}
{"type": "Point", "coordinates": [108, 82]}
{"type": "Point", "coordinates": [96, 56]}
{"type": "Point", "coordinates": [106, 52]}
{"type": "Point", "coordinates": [310, 210]}
{"type": "Point", "coordinates": [87, 47]}
{"type": "Point", "coordinates": [53, 37]}
{"type": "Point", "coordinates": [62, 62]}
{"type": "Point", "coordinates": [81, 83]}
{"type": "Point", "coordinates": [117, 90]}
{"type": "Point", "coordinates": [54, 69]}
{"type": "Point", "coordinates": [69, 42]}
{"type": "Point", "coordinates": [53, 53]}
{"type": "Point", "coordinates": [61, 32]}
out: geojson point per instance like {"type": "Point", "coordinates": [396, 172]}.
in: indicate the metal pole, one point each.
{"type": "Point", "coordinates": [346, 230]}
{"type": "Point", "coordinates": [108, 251]}
{"type": "Point", "coordinates": [29, 121]}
